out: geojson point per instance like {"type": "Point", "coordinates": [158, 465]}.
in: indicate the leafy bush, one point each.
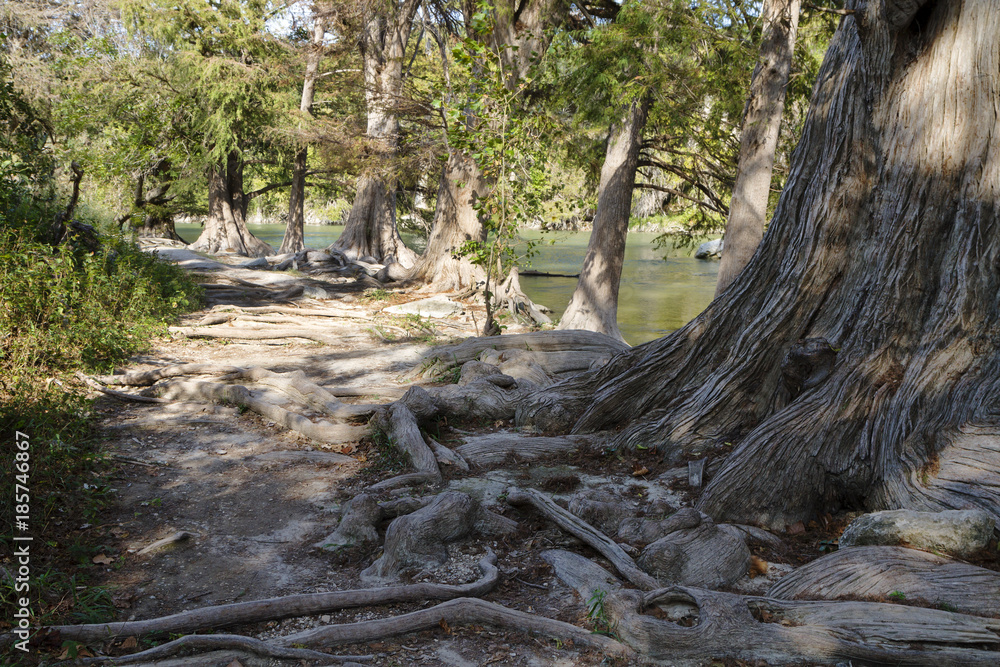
{"type": "Point", "coordinates": [62, 309]}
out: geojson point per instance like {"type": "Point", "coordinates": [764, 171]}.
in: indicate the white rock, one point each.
{"type": "Point", "coordinates": [435, 306]}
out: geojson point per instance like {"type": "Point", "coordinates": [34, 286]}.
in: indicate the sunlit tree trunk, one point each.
{"type": "Point", "coordinates": [519, 34]}
{"type": "Point", "coordinates": [856, 363]}
{"type": "Point", "coordinates": [594, 305]}
{"type": "Point", "coordinates": [370, 230]}
{"type": "Point", "coordinates": [759, 138]}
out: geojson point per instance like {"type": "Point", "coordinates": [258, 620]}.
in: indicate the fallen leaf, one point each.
{"type": "Point", "coordinates": [796, 528]}
{"type": "Point", "coordinates": [130, 642]}
{"type": "Point", "coordinates": [444, 626]}
{"type": "Point", "coordinates": [101, 559]}
{"type": "Point", "coordinates": [758, 566]}
{"type": "Point", "coordinates": [638, 472]}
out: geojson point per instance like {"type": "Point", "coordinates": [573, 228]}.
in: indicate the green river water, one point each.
{"type": "Point", "coordinates": [657, 295]}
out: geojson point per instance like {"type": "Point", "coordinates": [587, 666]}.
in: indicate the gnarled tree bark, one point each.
{"type": "Point", "coordinates": [885, 244]}
{"type": "Point", "coordinates": [226, 228]}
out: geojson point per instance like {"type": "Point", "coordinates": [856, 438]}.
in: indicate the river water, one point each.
{"type": "Point", "coordinates": [658, 294]}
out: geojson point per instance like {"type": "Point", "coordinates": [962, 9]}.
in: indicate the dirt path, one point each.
{"type": "Point", "coordinates": [254, 497]}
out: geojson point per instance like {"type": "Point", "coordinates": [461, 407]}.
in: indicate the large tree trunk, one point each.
{"type": "Point", "coordinates": [759, 139]}
{"type": "Point", "coordinates": [594, 305]}
{"type": "Point", "coordinates": [294, 239]}
{"type": "Point", "coordinates": [371, 229]}
{"type": "Point", "coordinates": [442, 265]}
{"type": "Point", "coordinates": [885, 245]}
{"type": "Point", "coordinates": [226, 229]}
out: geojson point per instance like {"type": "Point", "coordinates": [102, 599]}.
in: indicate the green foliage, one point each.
{"type": "Point", "coordinates": [62, 308]}
{"type": "Point", "coordinates": [598, 614]}
{"type": "Point", "coordinates": [491, 121]}
{"type": "Point", "coordinates": [898, 596]}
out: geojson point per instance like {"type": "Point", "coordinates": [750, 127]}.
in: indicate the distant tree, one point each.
{"type": "Point", "coordinates": [294, 238]}
{"type": "Point", "coordinates": [219, 66]}
{"type": "Point", "coordinates": [370, 229]}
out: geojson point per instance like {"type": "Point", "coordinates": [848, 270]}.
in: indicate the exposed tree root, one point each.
{"type": "Point", "coordinates": [419, 540]}
{"type": "Point", "coordinates": [203, 643]}
{"type": "Point", "coordinates": [494, 448]}
{"type": "Point", "coordinates": [448, 457]}
{"type": "Point", "coordinates": [557, 352]}
{"type": "Point", "coordinates": [511, 297]}
{"type": "Point", "coordinates": [399, 425]}
{"type": "Point", "coordinates": [294, 385]}
{"type": "Point", "coordinates": [878, 572]}
{"type": "Point", "coordinates": [150, 377]}
{"type": "Point", "coordinates": [258, 334]}
{"type": "Point", "coordinates": [455, 612]}
{"type": "Point", "coordinates": [120, 395]}
{"type": "Point", "coordinates": [292, 310]}
{"type": "Point", "coordinates": [582, 530]}
{"type": "Point", "coordinates": [723, 625]}
{"type": "Point", "coordinates": [283, 607]}
{"type": "Point", "coordinates": [213, 392]}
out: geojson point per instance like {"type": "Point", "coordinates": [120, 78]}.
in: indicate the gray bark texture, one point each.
{"type": "Point", "coordinates": [371, 230]}
{"type": "Point", "coordinates": [594, 304]}
{"type": "Point", "coordinates": [294, 239]}
{"type": "Point", "coordinates": [759, 138]}
{"type": "Point", "coordinates": [886, 245]}
{"type": "Point", "coordinates": [777, 632]}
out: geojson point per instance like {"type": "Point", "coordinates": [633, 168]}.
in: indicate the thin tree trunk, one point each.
{"type": "Point", "coordinates": [594, 305]}
{"type": "Point", "coordinates": [371, 229]}
{"type": "Point", "coordinates": [759, 139]}
{"type": "Point", "coordinates": [294, 239]}
{"type": "Point", "coordinates": [856, 364]}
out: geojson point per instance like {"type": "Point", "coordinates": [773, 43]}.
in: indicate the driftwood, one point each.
{"type": "Point", "coordinates": [283, 607]}
{"type": "Point", "coordinates": [881, 573]}
{"type": "Point", "coordinates": [494, 448]}
{"type": "Point", "coordinates": [580, 529]}
{"type": "Point", "coordinates": [724, 625]}
{"type": "Point", "coordinates": [455, 612]}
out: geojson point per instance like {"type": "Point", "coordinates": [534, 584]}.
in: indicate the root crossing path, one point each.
{"type": "Point", "coordinates": [304, 478]}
